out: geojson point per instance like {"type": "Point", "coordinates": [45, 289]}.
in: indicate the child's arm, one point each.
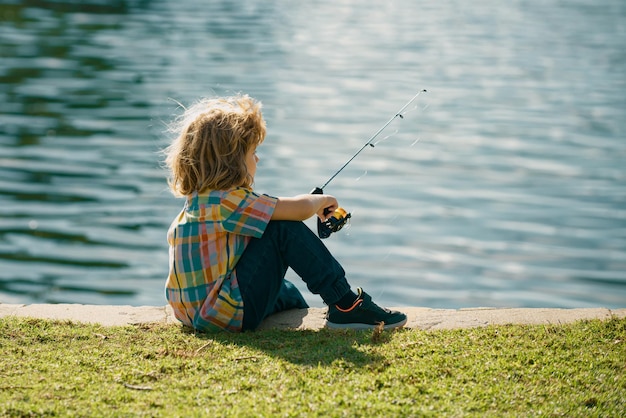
{"type": "Point", "coordinates": [301, 207]}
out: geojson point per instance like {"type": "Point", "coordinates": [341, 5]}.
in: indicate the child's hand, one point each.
{"type": "Point", "coordinates": [328, 206]}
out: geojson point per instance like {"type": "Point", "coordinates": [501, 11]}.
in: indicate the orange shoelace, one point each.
{"type": "Point", "coordinates": [356, 303]}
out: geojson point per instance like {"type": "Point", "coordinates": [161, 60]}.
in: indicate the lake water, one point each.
{"type": "Point", "coordinates": [504, 185]}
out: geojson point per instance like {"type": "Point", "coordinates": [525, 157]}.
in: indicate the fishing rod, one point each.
{"type": "Point", "coordinates": [340, 216]}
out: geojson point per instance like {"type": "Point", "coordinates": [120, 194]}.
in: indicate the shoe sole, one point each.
{"type": "Point", "coordinates": [333, 325]}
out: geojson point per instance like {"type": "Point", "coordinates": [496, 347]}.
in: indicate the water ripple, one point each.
{"type": "Point", "coordinates": [503, 185]}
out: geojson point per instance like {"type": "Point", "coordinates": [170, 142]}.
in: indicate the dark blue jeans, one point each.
{"type": "Point", "coordinates": [262, 267]}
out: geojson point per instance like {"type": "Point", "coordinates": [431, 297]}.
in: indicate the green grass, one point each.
{"type": "Point", "coordinates": [52, 368]}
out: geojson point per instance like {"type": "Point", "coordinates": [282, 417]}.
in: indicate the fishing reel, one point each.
{"type": "Point", "coordinates": [333, 224]}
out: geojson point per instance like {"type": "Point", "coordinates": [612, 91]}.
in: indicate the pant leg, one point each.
{"type": "Point", "coordinates": [289, 297]}
{"type": "Point", "coordinates": [262, 267]}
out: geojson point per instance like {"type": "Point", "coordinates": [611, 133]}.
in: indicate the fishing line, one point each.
{"type": "Point", "coordinates": [340, 216]}
{"type": "Point", "coordinates": [415, 142]}
{"type": "Point", "coordinates": [361, 176]}
{"type": "Point", "coordinates": [385, 138]}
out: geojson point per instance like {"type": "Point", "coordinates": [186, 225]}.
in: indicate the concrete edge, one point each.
{"type": "Point", "coordinates": [313, 318]}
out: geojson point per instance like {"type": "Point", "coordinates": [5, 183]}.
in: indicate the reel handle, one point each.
{"type": "Point", "coordinates": [334, 223]}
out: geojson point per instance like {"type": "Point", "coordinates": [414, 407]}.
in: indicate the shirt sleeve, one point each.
{"type": "Point", "coordinates": [245, 212]}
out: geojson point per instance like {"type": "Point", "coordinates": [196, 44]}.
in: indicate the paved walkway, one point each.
{"type": "Point", "coordinates": [313, 318]}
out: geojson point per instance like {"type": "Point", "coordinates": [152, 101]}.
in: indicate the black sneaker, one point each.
{"type": "Point", "coordinates": [363, 314]}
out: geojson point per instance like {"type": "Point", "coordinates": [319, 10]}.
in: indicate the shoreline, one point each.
{"type": "Point", "coordinates": [313, 318]}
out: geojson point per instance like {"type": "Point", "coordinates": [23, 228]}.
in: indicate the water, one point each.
{"type": "Point", "coordinates": [504, 185]}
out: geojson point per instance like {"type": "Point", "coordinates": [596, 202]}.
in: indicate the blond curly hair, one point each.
{"type": "Point", "coordinates": [214, 136]}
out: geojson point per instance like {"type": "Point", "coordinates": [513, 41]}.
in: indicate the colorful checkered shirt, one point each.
{"type": "Point", "coordinates": [206, 240]}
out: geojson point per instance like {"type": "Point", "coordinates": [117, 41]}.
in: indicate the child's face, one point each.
{"type": "Point", "coordinates": [251, 160]}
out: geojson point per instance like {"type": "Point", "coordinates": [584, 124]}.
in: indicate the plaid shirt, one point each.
{"type": "Point", "coordinates": [206, 240]}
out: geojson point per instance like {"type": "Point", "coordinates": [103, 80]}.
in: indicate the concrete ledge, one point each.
{"type": "Point", "coordinates": [313, 318]}
{"type": "Point", "coordinates": [108, 315]}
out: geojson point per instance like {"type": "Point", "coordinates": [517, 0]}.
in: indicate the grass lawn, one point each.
{"type": "Point", "coordinates": [50, 368]}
